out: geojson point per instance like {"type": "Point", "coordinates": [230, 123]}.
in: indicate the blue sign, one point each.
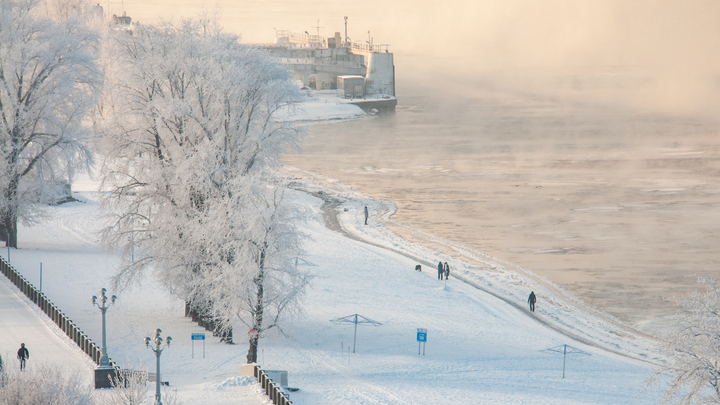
{"type": "Point", "coordinates": [422, 335]}
{"type": "Point", "coordinates": [198, 336]}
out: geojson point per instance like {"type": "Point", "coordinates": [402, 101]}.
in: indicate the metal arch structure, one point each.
{"type": "Point", "coordinates": [565, 350]}
{"type": "Point", "coordinates": [299, 261]}
{"type": "Point", "coordinates": [355, 319]}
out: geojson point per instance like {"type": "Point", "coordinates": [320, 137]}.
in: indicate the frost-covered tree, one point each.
{"type": "Point", "coordinates": [48, 86]}
{"type": "Point", "coordinates": [691, 373]}
{"type": "Point", "coordinates": [270, 283]}
{"type": "Point", "coordinates": [191, 149]}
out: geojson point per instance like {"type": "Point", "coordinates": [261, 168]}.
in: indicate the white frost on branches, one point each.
{"type": "Point", "coordinates": [48, 86]}
{"type": "Point", "coordinates": [692, 371]}
{"type": "Point", "coordinates": [191, 152]}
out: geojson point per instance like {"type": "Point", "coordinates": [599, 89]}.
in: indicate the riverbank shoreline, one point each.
{"type": "Point", "coordinates": [342, 212]}
{"type": "Point", "coordinates": [617, 209]}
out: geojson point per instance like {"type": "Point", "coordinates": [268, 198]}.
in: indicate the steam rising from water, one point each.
{"type": "Point", "coordinates": [645, 54]}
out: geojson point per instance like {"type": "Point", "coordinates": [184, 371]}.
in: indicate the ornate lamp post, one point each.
{"type": "Point", "coordinates": [158, 341]}
{"type": "Point", "coordinates": [104, 374]}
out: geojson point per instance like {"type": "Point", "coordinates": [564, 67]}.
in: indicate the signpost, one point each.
{"type": "Point", "coordinates": [422, 339]}
{"type": "Point", "coordinates": [198, 336]}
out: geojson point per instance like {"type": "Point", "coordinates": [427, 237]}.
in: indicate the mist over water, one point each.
{"type": "Point", "coordinates": [646, 54]}
{"type": "Point", "coordinates": [576, 139]}
{"type": "Point", "coordinates": [619, 209]}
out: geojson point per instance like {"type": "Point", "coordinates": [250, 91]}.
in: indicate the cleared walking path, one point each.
{"type": "Point", "coordinates": [22, 322]}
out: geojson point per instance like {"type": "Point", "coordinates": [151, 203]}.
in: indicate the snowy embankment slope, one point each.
{"type": "Point", "coordinates": [556, 308]}
{"type": "Point", "coordinates": [480, 349]}
{"type": "Point", "coordinates": [319, 106]}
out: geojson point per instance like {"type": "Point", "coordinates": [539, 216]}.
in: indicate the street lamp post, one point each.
{"type": "Point", "coordinates": [158, 349]}
{"type": "Point", "coordinates": [105, 373]}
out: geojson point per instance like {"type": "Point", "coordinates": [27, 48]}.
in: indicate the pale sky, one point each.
{"type": "Point", "coordinates": [650, 54]}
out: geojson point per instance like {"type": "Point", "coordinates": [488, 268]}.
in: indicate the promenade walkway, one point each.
{"type": "Point", "coordinates": [23, 322]}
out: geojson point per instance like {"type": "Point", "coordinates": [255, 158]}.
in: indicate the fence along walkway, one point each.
{"type": "Point", "coordinates": [57, 316]}
{"type": "Point", "coordinates": [276, 393]}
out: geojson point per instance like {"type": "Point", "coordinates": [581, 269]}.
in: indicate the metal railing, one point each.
{"type": "Point", "coordinates": [313, 61]}
{"type": "Point", "coordinates": [320, 41]}
{"type": "Point", "coordinates": [301, 38]}
{"type": "Point", "coordinates": [369, 48]}
{"type": "Point", "coordinates": [276, 393]}
{"type": "Point", "coordinates": [52, 311]}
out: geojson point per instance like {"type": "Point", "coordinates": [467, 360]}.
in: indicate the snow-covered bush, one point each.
{"type": "Point", "coordinates": [128, 389]}
{"type": "Point", "coordinates": [43, 386]}
{"type": "Point", "coordinates": [691, 374]}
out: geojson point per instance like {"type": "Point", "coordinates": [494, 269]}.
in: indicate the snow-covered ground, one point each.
{"type": "Point", "coordinates": [482, 347]}
{"type": "Point", "coordinates": [320, 106]}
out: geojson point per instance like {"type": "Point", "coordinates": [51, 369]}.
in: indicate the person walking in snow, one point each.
{"type": "Point", "coordinates": [441, 269]}
{"type": "Point", "coordinates": [531, 301]}
{"type": "Point", "coordinates": [23, 355]}
{"type": "Point", "coordinates": [447, 271]}
{"type": "Point", "coordinates": [366, 215]}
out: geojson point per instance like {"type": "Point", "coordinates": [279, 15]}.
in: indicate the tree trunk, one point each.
{"type": "Point", "coordinates": [9, 216]}
{"type": "Point", "coordinates": [256, 325]}
{"type": "Point", "coordinates": [252, 352]}
{"type": "Point", "coordinates": [258, 311]}
{"type": "Point", "coordinates": [9, 225]}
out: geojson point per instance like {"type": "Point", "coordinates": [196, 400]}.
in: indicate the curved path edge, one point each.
{"type": "Point", "coordinates": [330, 216]}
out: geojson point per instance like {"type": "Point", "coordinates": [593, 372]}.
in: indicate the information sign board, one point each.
{"type": "Point", "coordinates": [197, 336]}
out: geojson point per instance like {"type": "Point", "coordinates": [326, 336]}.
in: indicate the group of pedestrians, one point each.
{"type": "Point", "coordinates": [443, 270]}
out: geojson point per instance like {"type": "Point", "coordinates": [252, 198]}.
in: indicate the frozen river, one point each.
{"type": "Point", "coordinates": [620, 209]}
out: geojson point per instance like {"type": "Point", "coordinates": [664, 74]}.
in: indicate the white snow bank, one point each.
{"type": "Point", "coordinates": [318, 106]}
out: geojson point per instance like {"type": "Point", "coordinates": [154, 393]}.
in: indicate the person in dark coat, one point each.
{"type": "Point", "coordinates": [23, 355]}
{"type": "Point", "coordinates": [441, 269]}
{"type": "Point", "coordinates": [531, 301]}
{"type": "Point", "coordinates": [447, 271]}
{"type": "Point", "coordinates": [366, 214]}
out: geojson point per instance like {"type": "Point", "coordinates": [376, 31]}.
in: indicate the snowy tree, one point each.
{"type": "Point", "coordinates": [692, 371]}
{"type": "Point", "coordinates": [270, 283]}
{"type": "Point", "coordinates": [71, 9]}
{"type": "Point", "coordinates": [191, 150]}
{"type": "Point", "coordinates": [48, 86]}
